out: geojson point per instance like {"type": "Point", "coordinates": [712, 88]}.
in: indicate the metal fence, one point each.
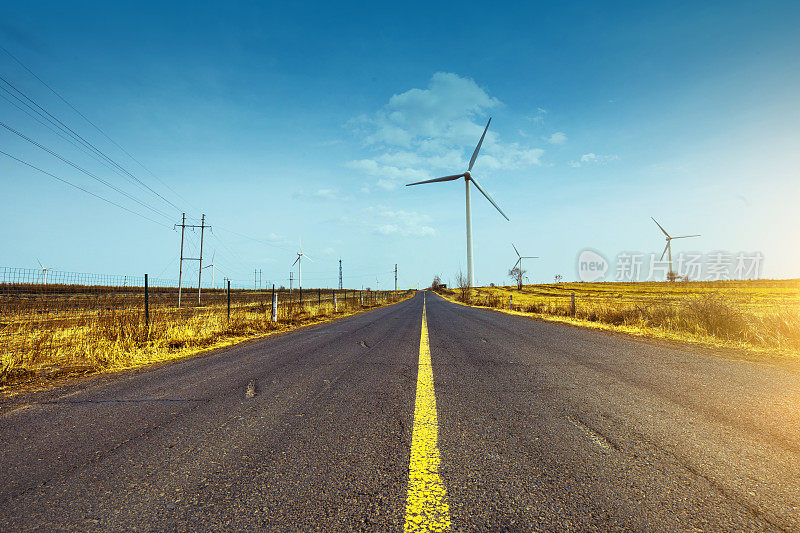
{"type": "Point", "coordinates": [46, 315]}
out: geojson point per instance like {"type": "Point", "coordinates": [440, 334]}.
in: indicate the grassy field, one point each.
{"type": "Point", "coordinates": [758, 316]}
{"type": "Point", "coordinates": [39, 346]}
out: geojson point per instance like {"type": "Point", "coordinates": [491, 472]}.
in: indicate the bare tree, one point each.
{"type": "Point", "coordinates": [462, 280]}
{"type": "Point", "coordinates": [517, 274]}
{"type": "Point", "coordinates": [558, 278]}
{"type": "Point", "coordinates": [437, 283]}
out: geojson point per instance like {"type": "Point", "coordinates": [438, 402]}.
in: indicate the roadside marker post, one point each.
{"type": "Point", "coordinates": [572, 305]}
{"type": "Point", "coordinates": [274, 305]}
{"type": "Point", "coordinates": [229, 300]}
{"type": "Point", "coordinates": [335, 304]}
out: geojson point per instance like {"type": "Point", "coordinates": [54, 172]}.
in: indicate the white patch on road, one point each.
{"type": "Point", "coordinates": [599, 440]}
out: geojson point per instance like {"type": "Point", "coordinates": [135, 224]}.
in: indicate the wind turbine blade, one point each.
{"type": "Point", "coordinates": [213, 256]}
{"type": "Point", "coordinates": [665, 251]}
{"type": "Point", "coordinates": [515, 249]}
{"type": "Point", "coordinates": [40, 263]}
{"type": "Point", "coordinates": [296, 260]}
{"type": "Point", "coordinates": [518, 262]}
{"type": "Point", "coordinates": [685, 236]}
{"type": "Point", "coordinates": [659, 225]}
{"type": "Point", "coordinates": [489, 198]}
{"type": "Point", "coordinates": [530, 257]}
{"type": "Point", "coordinates": [446, 178]}
{"type": "Point", "coordinates": [306, 256]}
{"type": "Point", "coordinates": [478, 148]}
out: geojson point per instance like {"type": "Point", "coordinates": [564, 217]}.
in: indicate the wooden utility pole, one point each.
{"type": "Point", "coordinates": [180, 265]}
{"type": "Point", "coordinates": [183, 226]}
{"type": "Point", "coordinates": [395, 277]}
{"type": "Point", "coordinates": [200, 269]}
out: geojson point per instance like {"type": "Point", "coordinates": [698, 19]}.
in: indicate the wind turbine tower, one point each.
{"type": "Point", "coordinates": [44, 270]}
{"type": "Point", "coordinates": [519, 262]}
{"type": "Point", "coordinates": [467, 180]}
{"type": "Point", "coordinates": [212, 267]}
{"type": "Point", "coordinates": [299, 263]}
{"type": "Point", "coordinates": [671, 275]}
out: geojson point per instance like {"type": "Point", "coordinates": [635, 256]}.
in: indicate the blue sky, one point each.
{"type": "Point", "coordinates": [288, 122]}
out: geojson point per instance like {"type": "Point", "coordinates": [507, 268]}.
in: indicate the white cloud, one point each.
{"type": "Point", "coordinates": [593, 159]}
{"type": "Point", "coordinates": [386, 221]}
{"type": "Point", "coordinates": [557, 138]}
{"type": "Point", "coordinates": [422, 133]}
{"type": "Point", "coordinates": [329, 194]}
{"type": "Point", "coordinates": [323, 193]}
{"type": "Point", "coordinates": [538, 116]}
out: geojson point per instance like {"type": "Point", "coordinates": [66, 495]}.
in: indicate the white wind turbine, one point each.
{"type": "Point", "coordinates": [519, 262]}
{"type": "Point", "coordinates": [44, 270]}
{"type": "Point", "coordinates": [467, 179]}
{"type": "Point", "coordinates": [299, 262]}
{"type": "Point", "coordinates": [212, 267]}
{"type": "Point", "coordinates": [671, 275]}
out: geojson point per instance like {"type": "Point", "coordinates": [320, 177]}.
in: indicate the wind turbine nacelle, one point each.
{"type": "Point", "coordinates": [467, 175]}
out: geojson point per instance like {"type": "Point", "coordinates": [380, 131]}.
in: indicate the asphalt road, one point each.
{"type": "Point", "coordinates": [540, 427]}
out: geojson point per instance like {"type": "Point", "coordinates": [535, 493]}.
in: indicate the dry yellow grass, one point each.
{"type": "Point", "coordinates": [108, 343]}
{"type": "Point", "coordinates": [761, 316]}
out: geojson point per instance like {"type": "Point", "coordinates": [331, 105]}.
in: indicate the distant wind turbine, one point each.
{"type": "Point", "coordinates": [212, 267]}
{"type": "Point", "coordinates": [519, 262]}
{"type": "Point", "coordinates": [467, 179]}
{"type": "Point", "coordinates": [44, 270]}
{"type": "Point", "coordinates": [299, 263]}
{"type": "Point", "coordinates": [671, 275]}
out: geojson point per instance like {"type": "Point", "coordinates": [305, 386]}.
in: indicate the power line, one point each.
{"type": "Point", "coordinates": [58, 123]}
{"type": "Point", "coordinates": [70, 163]}
{"type": "Point", "coordinates": [58, 132]}
{"type": "Point", "coordinates": [254, 239]}
{"type": "Point", "coordinates": [95, 126]}
{"type": "Point", "coordinates": [82, 189]}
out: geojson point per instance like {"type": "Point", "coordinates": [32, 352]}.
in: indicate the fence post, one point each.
{"type": "Point", "coordinates": [272, 304]}
{"type": "Point", "coordinates": [361, 298]}
{"type": "Point", "coordinates": [146, 305]}
{"type": "Point", "coordinates": [319, 297]}
{"type": "Point", "coordinates": [572, 305]}
{"type": "Point", "coordinates": [229, 300]}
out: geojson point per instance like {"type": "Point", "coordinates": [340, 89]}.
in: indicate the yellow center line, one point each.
{"type": "Point", "coordinates": [426, 502]}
